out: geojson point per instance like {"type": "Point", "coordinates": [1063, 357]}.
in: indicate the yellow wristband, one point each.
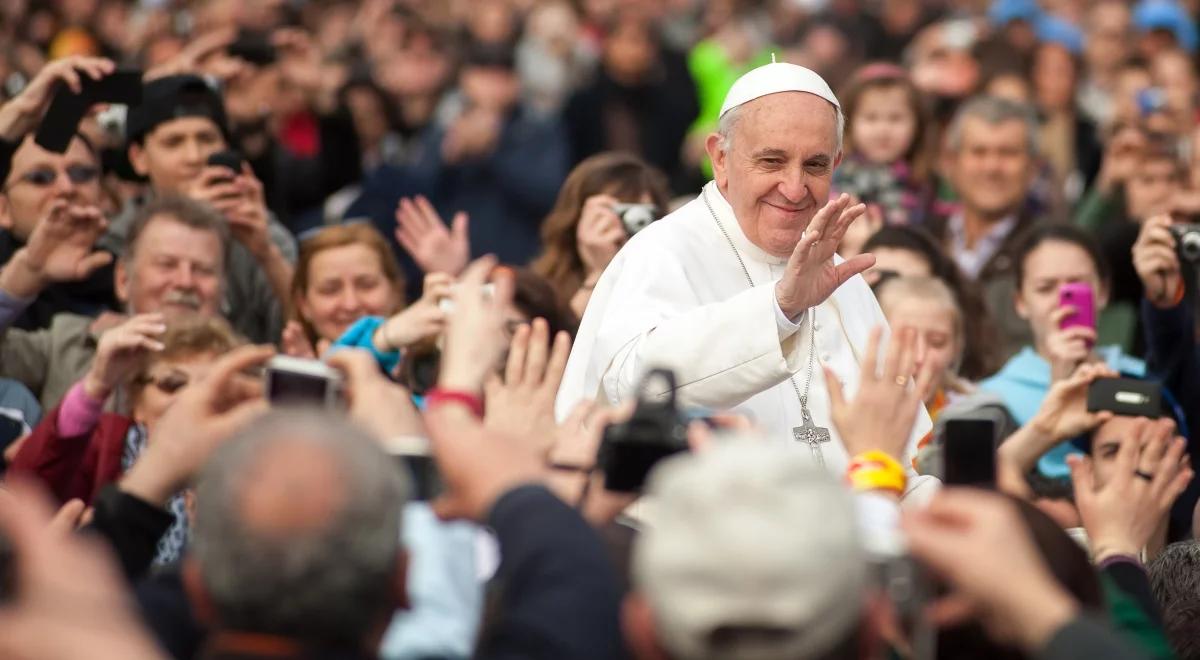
{"type": "Point", "coordinates": [876, 470]}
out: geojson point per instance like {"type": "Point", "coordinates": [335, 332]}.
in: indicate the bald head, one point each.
{"type": "Point", "coordinates": [297, 530]}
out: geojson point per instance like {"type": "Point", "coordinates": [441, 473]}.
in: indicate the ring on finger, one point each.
{"type": "Point", "coordinates": [902, 381]}
{"type": "Point", "coordinates": [1143, 475]}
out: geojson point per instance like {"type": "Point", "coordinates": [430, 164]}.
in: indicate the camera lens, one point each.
{"type": "Point", "coordinates": [1189, 246]}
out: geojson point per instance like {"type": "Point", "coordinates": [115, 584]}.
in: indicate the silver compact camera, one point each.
{"type": "Point", "coordinates": [635, 217]}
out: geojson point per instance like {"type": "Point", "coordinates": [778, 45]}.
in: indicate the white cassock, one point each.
{"type": "Point", "coordinates": [675, 296]}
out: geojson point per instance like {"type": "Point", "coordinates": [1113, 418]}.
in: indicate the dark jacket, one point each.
{"type": "Point", "coordinates": [77, 466]}
{"type": "Point", "coordinates": [998, 281]}
{"type": "Point", "coordinates": [657, 113]}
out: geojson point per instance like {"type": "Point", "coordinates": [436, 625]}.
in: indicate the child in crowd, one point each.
{"type": "Point", "coordinates": [886, 163]}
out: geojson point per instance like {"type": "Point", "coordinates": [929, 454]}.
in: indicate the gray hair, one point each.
{"type": "Point", "coordinates": [184, 210]}
{"type": "Point", "coordinates": [729, 120]}
{"type": "Point", "coordinates": [325, 583]}
{"type": "Point", "coordinates": [993, 111]}
{"type": "Point", "coordinates": [1175, 574]}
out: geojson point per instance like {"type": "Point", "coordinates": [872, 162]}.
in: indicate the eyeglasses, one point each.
{"type": "Point", "coordinates": [47, 176]}
{"type": "Point", "coordinates": [167, 384]}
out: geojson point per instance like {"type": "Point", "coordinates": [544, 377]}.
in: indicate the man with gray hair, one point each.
{"type": "Point", "coordinates": [740, 292]}
{"type": "Point", "coordinates": [992, 144]}
{"type": "Point", "coordinates": [297, 538]}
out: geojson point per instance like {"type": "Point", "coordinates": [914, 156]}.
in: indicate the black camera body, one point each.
{"type": "Point", "coordinates": [1187, 242]}
{"type": "Point", "coordinates": [628, 451]}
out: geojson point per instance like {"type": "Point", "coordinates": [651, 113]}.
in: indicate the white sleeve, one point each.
{"type": "Point", "coordinates": [722, 353]}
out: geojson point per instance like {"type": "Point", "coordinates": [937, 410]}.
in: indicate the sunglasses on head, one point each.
{"type": "Point", "coordinates": [47, 176]}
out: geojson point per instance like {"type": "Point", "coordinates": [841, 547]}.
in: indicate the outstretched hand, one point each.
{"type": "Point", "coordinates": [60, 249]}
{"type": "Point", "coordinates": [433, 246]}
{"type": "Point", "coordinates": [811, 275]}
{"type": "Point", "coordinates": [883, 412]}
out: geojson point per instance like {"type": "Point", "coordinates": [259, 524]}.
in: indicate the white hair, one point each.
{"type": "Point", "coordinates": [729, 120]}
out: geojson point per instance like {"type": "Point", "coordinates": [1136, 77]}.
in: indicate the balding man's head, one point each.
{"type": "Point", "coordinates": [297, 531]}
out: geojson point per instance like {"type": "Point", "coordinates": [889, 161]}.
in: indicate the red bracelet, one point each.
{"type": "Point", "coordinates": [438, 396]}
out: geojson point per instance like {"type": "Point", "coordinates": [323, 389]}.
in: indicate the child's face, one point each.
{"type": "Point", "coordinates": [883, 126]}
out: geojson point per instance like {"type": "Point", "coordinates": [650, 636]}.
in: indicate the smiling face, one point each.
{"type": "Point", "coordinates": [346, 283]}
{"type": "Point", "coordinates": [777, 167]}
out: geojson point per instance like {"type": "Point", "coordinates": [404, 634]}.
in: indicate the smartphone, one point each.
{"type": "Point", "coordinates": [301, 382]}
{"type": "Point", "coordinates": [253, 47]}
{"type": "Point", "coordinates": [228, 159]}
{"type": "Point", "coordinates": [61, 121]}
{"type": "Point", "coordinates": [969, 452]}
{"type": "Point", "coordinates": [1080, 297]}
{"type": "Point", "coordinates": [412, 455]}
{"type": "Point", "coordinates": [1128, 397]}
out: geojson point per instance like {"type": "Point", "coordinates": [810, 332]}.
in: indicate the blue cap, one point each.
{"type": "Point", "coordinates": [1055, 30]}
{"type": "Point", "coordinates": [1003, 12]}
{"type": "Point", "coordinates": [1166, 15]}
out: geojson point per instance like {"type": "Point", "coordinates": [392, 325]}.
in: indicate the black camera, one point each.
{"type": "Point", "coordinates": [630, 450]}
{"type": "Point", "coordinates": [1187, 242]}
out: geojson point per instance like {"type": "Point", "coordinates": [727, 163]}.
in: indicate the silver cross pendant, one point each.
{"type": "Point", "coordinates": [812, 434]}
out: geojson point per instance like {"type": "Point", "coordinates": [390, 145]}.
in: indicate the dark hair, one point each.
{"type": "Point", "coordinates": [1069, 565]}
{"type": "Point", "coordinates": [622, 175]}
{"type": "Point", "coordinates": [1056, 233]}
{"type": "Point", "coordinates": [536, 298]}
{"type": "Point", "coordinates": [177, 208]}
{"type": "Point", "coordinates": [979, 333]}
{"type": "Point", "coordinates": [1175, 573]}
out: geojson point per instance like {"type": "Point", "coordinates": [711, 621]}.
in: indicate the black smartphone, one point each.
{"type": "Point", "coordinates": [61, 121]}
{"type": "Point", "coordinates": [969, 452]}
{"type": "Point", "coordinates": [253, 47]}
{"type": "Point", "coordinates": [228, 159]}
{"type": "Point", "coordinates": [1128, 397]}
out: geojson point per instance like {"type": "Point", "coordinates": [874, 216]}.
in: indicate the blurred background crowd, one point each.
{"type": "Point", "coordinates": [315, 174]}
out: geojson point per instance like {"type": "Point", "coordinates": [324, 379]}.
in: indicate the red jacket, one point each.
{"type": "Point", "coordinates": [77, 466]}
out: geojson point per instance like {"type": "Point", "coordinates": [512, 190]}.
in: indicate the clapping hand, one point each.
{"type": "Point", "coordinates": [421, 232]}
{"type": "Point", "coordinates": [521, 406]}
{"type": "Point", "coordinates": [1150, 471]}
{"type": "Point", "coordinates": [883, 412]}
{"type": "Point", "coordinates": [24, 112]}
{"type": "Point", "coordinates": [811, 276]}
{"type": "Point", "coordinates": [475, 332]}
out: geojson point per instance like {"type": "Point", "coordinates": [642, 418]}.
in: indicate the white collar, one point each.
{"type": "Point", "coordinates": [728, 221]}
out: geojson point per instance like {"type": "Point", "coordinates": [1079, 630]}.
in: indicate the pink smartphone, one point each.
{"type": "Point", "coordinates": [1078, 295]}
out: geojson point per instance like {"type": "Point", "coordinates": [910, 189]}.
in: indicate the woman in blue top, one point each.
{"type": "Point", "coordinates": [1049, 257]}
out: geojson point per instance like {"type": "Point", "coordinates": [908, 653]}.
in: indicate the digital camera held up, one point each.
{"type": "Point", "coordinates": [636, 217]}
{"type": "Point", "coordinates": [628, 451]}
{"type": "Point", "coordinates": [1187, 242]}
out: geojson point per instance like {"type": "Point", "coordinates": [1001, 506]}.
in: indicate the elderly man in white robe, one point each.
{"type": "Point", "coordinates": [740, 292]}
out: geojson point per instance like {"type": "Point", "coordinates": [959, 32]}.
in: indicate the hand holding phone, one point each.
{"type": "Point", "coordinates": [301, 382]}
{"type": "Point", "coordinates": [67, 109]}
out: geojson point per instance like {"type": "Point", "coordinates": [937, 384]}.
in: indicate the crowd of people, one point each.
{"type": "Point", "coordinates": [490, 220]}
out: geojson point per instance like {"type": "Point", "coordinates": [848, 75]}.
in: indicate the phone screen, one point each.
{"type": "Point", "coordinates": [969, 452]}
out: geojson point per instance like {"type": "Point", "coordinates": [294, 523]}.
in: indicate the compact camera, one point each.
{"type": "Point", "coordinates": [1187, 242]}
{"type": "Point", "coordinates": [636, 217]}
{"type": "Point", "coordinates": [302, 382]}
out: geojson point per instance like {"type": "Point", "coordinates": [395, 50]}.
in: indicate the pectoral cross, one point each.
{"type": "Point", "coordinates": [812, 434]}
